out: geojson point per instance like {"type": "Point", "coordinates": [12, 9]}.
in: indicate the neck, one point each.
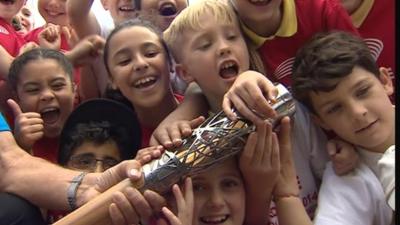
{"type": "Point", "coordinates": [261, 29]}
{"type": "Point", "coordinates": [152, 116]}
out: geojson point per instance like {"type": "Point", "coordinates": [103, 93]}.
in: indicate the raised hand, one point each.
{"type": "Point", "coordinates": [184, 203]}
{"type": "Point", "coordinates": [343, 155]}
{"type": "Point", "coordinates": [250, 95]}
{"type": "Point", "coordinates": [50, 37]}
{"type": "Point", "coordinates": [145, 155]}
{"type": "Point", "coordinates": [171, 135]}
{"type": "Point", "coordinates": [28, 127]}
{"type": "Point", "coordinates": [86, 50]}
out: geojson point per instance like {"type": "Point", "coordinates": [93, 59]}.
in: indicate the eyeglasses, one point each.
{"type": "Point", "coordinates": [89, 162]}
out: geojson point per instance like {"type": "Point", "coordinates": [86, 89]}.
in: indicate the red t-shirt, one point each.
{"type": "Point", "coordinates": [46, 148]}
{"type": "Point", "coordinates": [312, 17]}
{"type": "Point", "coordinates": [148, 131]}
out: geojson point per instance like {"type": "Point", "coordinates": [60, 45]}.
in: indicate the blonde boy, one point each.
{"type": "Point", "coordinates": [338, 80]}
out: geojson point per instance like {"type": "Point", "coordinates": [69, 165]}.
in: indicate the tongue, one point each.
{"type": "Point", "coordinates": [50, 117]}
{"type": "Point", "coordinates": [228, 73]}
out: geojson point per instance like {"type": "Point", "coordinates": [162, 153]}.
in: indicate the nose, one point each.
{"type": "Point", "coordinates": [358, 109]}
{"type": "Point", "coordinates": [216, 200]}
{"type": "Point", "coordinates": [224, 47]}
{"type": "Point", "coordinates": [47, 95]}
{"type": "Point", "coordinates": [140, 63]}
{"type": "Point", "coordinates": [99, 167]}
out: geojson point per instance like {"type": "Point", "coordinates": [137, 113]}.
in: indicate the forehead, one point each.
{"type": "Point", "coordinates": [108, 148]}
{"type": "Point", "coordinates": [135, 35]}
{"type": "Point", "coordinates": [224, 168]}
{"type": "Point", "coordinates": [41, 68]}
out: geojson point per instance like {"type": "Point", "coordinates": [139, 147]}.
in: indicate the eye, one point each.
{"type": "Point", "coordinates": [333, 109]}
{"type": "Point", "coordinates": [204, 45]}
{"type": "Point", "coordinates": [198, 187]}
{"type": "Point", "coordinates": [32, 90]}
{"type": "Point", "coordinates": [123, 62]}
{"type": "Point", "coordinates": [58, 86]}
{"type": "Point", "coordinates": [363, 91]}
{"type": "Point", "coordinates": [151, 54]}
{"type": "Point", "coordinates": [230, 183]}
{"type": "Point", "coordinates": [231, 36]}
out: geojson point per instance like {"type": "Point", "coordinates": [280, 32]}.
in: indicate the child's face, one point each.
{"type": "Point", "coordinates": [45, 88]}
{"type": "Point", "coordinates": [120, 10]}
{"type": "Point", "coordinates": [358, 109]}
{"type": "Point", "coordinates": [26, 18]}
{"type": "Point", "coordinates": [219, 195]}
{"type": "Point", "coordinates": [166, 11]}
{"type": "Point", "coordinates": [10, 8]}
{"type": "Point", "coordinates": [256, 13]}
{"type": "Point", "coordinates": [91, 157]}
{"type": "Point", "coordinates": [53, 11]}
{"type": "Point", "coordinates": [139, 66]}
{"type": "Point", "coordinates": [351, 5]}
{"type": "Point", "coordinates": [213, 56]}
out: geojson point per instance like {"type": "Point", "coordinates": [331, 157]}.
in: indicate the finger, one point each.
{"type": "Point", "coordinates": [155, 200]}
{"type": "Point", "coordinates": [180, 200]}
{"type": "Point", "coordinates": [189, 196]}
{"type": "Point", "coordinates": [126, 208]}
{"type": "Point", "coordinates": [175, 135]}
{"type": "Point", "coordinates": [249, 148]}
{"type": "Point", "coordinates": [269, 90]}
{"type": "Point", "coordinates": [153, 141]}
{"type": "Point", "coordinates": [65, 30]}
{"type": "Point", "coordinates": [116, 216]}
{"type": "Point", "coordinates": [14, 107]}
{"type": "Point", "coordinates": [33, 117]}
{"type": "Point", "coordinates": [162, 137]}
{"type": "Point", "coordinates": [284, 138]}
{"type": "Point", "coordinates": [36, 136]}
{"type": "Point", "coordinates": [142, 207]}
{"type": "Point", "coordinates": [275, 158]}
{"type": "Point", "coordinates": [227, 107]}
{"type": "Point", "coordinates": [185, 129]}
{"type": "Point", "coordinates": [196, 122]}
{"type": "Point", "coordinates": [244, 111]}
{"type": "Point", "coordinates": [260, 102]}
{"type": "Point", "coordinates": [173, 220]}
{"type": "Point", "coordinates": [331, 148]}
{"type": "Point", "coordinates": [263, 145]}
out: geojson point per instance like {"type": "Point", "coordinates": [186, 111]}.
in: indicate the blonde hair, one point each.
{"type": "Point", "coordinates": [190, 19]}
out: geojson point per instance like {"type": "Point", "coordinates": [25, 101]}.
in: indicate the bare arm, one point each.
{"type": "Point", "coordinates": [194, 105]}
{"type": "Point", "coordinates": [81, 18]}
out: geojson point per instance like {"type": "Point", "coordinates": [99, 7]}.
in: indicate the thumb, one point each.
{"type": "Point", "coordinates": [14, 107]}
{"type": "Point", "coordinates": [196, 122]}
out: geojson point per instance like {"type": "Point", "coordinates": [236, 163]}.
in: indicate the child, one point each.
{"type": "Point", "coordinates": [94, 141]}
{"type": "Point", "coordinates": [24, 20]}
{"type": "Point", "coordinates": [45, 92]}
{"type": "Point", "coordinates": [218, 193]}
{"type": "Point", "coordinates": [212, 53]}
{"type": "Point", "coordinates": [10, 43]}
{"type": "Point", "coordinates": [278, 28]}
{"type": "Point", "coordinates": [366, 15]}
{"type": "Point", "coordinates": [337, 79]}
{"type": "Point", "coordinates": [139, 68]}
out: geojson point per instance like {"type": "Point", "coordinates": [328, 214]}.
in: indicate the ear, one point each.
{"type": "Point", "coordinates": [319, 121]}
{"type": "Point", "coordinates": [182, 72]}
{"type": "Point", "coordinates": [386, 80]}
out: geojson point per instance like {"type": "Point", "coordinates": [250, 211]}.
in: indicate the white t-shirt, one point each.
{"type": "Point", "coordinates": [353, 199]}
{"type": "Point", "coordinates": [383, 166]}
{"type": "Point", "coordinates": [310, 157]}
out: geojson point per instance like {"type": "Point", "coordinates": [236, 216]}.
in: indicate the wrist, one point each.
{"type": "Point", "coordinates": [288, 196]}
{"type": "Point", "coordinates": [86, 190]}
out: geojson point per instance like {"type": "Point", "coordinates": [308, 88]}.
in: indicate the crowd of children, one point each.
{"type": "Point", "coordinates": [86, 96]}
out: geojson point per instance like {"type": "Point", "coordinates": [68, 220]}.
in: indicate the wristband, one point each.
{"type": "Point", "coordinates": [72, 189]}
{"type": "Point", "coordinates": [277, 198]}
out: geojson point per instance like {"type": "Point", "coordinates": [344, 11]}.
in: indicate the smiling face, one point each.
{"type": "Point", "coordinates": [121, 10]}
{"type": "Point", "coordinates": [213, 56]}
{"type": "Point", "coordinates": [139, 66]}
{"type": "Point", "coordinates": [358, 109]}
{"type": "Point", "coordinates": [44, 87]}
{"type": "Point", "coordinates": [165, 10]}
{"type": "Point", "coordinates": [26, 19]}
{"type": "Point", "coordinates": [10, 8]}
{"type": "Point", "coordinates": [219, 195]}
{"type": "Point", "coordinates": [53, 11]}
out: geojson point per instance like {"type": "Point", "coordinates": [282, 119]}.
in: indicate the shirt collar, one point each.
{"type": "Point", "coordinates": [361, 13]}
{"type": "Point", "coordinates": [287, 28]}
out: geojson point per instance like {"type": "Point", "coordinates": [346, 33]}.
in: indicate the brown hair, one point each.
{"type": "Point", "coordinates": [325, 60]}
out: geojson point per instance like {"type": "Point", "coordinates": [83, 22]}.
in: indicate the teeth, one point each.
{"type": "Point", "coordinates": [48, 110]}
{"type": "Point", "coordinates": [214, 219]}
{"type": "Point", "coordinates": [126, 8]}
{"type": "Point", "coordinates": [144, 80]}
{"type": "Point", "coordinates": [227, 65]}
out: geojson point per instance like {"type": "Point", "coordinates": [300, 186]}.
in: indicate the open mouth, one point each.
{"type": "Point", "coordinates": [260, 2]}
{"type": "Point", "coordinates": [145, 82]}
{"type": "Point", "coordinates": [127, 8]}
{"type": "Point", "coordinates": [229, 69]}
{"type": "Point", "coordinates": [50, 115]}
{"type": "Point", "coordinates": [214, 219]}
{"type": "Point", "coordinates": [167, 9]}
{"type": "Point", "coordinates": [7, 2]}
